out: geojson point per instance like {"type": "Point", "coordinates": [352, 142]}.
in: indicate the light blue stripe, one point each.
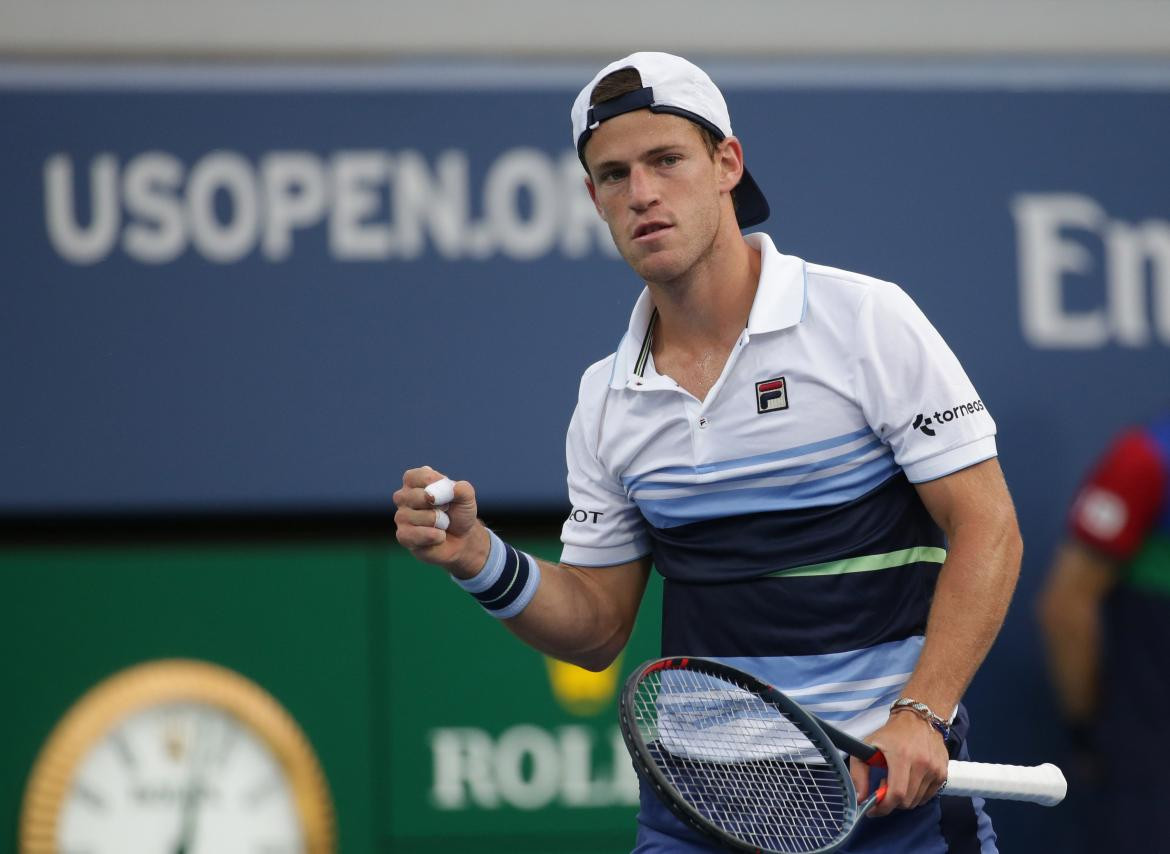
{"type": "Point", "coordinates": [793, 673]}
{"type": "Point", "coordinates": [881, 698]}
{"type": "Point", "coordinates": [860, 694]}
{"type": "Point", "coordinates": [491, 570]}
{"type": "Point", "coordinates": [807, 468]}
{"type": "Point", "coordinates": [790, 673]}
{"type": "Point", "coordinates": [632, 481]}
{"type": "Point", "coordinates": [879, 701]}
{"type": "Point", "coordinates": [670, 512]}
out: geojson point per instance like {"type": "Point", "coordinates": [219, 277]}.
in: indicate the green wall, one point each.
{"type": "Point", "coordinates": [437, 730]}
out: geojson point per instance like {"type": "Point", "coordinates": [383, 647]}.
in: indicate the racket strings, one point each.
{"type": "Point", "coordinates": [741, 763]}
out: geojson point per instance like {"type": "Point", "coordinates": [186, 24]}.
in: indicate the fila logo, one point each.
{"type": "Point", "coordinates": [771, 395]}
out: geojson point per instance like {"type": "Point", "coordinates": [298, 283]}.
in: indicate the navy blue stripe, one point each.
{"type": "Point", "coordinates": [888, 518]}
{"type": "Point", "coordinates": [512, 593]}
{"type": "Point", "coordinates": [796, 616]}
{"type": "Point", "coordinates": [833, 491]}
{"type": "Point", "coordinates": [507, 577]}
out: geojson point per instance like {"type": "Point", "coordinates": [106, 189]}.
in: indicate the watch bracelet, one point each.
{"type": "Point", "coordinates": [909, 704]}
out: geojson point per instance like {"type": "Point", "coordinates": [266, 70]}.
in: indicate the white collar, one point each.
{"type": "Point", "coordinates": [779, 303]}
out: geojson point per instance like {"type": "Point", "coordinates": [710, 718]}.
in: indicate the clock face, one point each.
{"type": "Point", "coordinates": [180, 778]}
{"type": "Point", "coordinates": [177, 757]}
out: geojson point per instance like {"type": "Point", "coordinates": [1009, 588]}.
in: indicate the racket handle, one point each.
{"type": "Point", "coordinates": [1039, 784]}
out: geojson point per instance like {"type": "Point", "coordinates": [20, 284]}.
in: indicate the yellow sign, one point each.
{"type": "Point", "coordinates": [580, 691]}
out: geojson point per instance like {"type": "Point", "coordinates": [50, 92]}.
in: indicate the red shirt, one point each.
{"type": "Point", "coordinates": [1122, 499]}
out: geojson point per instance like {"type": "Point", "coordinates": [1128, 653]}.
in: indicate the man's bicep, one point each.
{"type": "Point", "coordinates": [976, 494]}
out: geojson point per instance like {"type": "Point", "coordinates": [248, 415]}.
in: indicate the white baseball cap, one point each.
{"type": "Point", "coordinates": [670, 84]}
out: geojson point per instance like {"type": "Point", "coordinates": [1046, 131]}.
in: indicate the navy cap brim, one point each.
{"type": "Point", "coordinates": [751, 208]}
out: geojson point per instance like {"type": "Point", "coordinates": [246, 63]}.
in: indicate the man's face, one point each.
{"type": "Point", "coordinates": [659, 190]}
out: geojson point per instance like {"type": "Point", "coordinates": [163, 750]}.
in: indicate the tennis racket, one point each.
{"type": "Point", "coordinates": [743, 763]}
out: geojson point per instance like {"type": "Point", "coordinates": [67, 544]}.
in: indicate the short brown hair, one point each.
{"type": "Point", "coordinates": [625, 80]}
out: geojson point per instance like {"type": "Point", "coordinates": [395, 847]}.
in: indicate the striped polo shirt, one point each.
{"type": "Point", "coordinates": [780, 510]}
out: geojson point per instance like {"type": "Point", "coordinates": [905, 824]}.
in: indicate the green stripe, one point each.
{"type": "Point", "coordinates": [867, 563]}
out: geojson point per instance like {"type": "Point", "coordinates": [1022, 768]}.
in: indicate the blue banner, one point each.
{"type": "Point", "coordinates": [231, 298]}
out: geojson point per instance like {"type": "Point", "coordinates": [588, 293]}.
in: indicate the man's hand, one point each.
{"type": "Point", "coordinates": [463, 548]}
{"type": "Point", "coordinates": [917, 760]}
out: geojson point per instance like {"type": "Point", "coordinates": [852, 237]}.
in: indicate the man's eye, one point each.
{"type": "Point", "coordinates": [670, 160]}
{"type": "Point", "coordinates": [612, 175]}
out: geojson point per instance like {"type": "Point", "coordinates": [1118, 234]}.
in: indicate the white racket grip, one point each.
{"type": "Point", "coordinates": [1039, 784]}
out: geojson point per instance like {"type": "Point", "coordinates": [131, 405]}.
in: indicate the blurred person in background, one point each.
{"type": "Point", "coordinates": [1105, 615]}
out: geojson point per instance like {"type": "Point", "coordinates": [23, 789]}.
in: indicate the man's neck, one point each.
{"type": "Point", "coordinates": [709, 307]}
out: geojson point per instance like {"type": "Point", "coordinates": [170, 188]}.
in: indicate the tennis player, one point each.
{"type": "Point", "coordinates": [793, 447]}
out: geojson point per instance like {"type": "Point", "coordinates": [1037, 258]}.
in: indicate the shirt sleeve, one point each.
{"type": "Point", "coordinates": [1117, 505]}
{"type": "Point", "coordinates": [605, 527]}
{"type": "Point", "coordinates": [914, 393]}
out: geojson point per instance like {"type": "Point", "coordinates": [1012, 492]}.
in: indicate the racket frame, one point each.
{"type": "Point", "coordinates": [817, 733]}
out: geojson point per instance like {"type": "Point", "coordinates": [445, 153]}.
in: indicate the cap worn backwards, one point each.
{"type": "Point", "coordinates": [670, 84]}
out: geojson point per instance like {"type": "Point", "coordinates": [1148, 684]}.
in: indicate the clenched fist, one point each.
{"type": "Point", "coordinates": [462, 549]}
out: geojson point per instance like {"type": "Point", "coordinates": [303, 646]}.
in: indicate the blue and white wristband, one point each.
{"type": "Point", "coordinates": [506, 583]}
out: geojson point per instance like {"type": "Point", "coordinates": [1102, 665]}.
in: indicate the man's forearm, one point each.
{"type": "Point", "coordinates": [971, 598]}
{"type": "Point", "coordinates": [582, 616]}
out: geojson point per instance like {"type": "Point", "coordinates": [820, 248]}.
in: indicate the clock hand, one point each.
{"type": "Point", "coordinates": [191, 798]}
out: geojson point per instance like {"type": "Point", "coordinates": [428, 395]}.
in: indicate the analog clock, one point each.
{"type": "Point", "coordinates": [177, 757]}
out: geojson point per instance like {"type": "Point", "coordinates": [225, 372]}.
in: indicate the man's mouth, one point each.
{"type": "Point", "coordinates": [649, 229]}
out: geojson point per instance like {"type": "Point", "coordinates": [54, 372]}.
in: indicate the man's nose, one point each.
{"type": "Point", "coordinates": [643, 188]}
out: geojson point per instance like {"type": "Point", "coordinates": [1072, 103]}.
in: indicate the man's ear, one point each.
{"type": "Point", "coordinates": [593, 195]}
{"type": "Point", "coordinates": [729, 159]}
